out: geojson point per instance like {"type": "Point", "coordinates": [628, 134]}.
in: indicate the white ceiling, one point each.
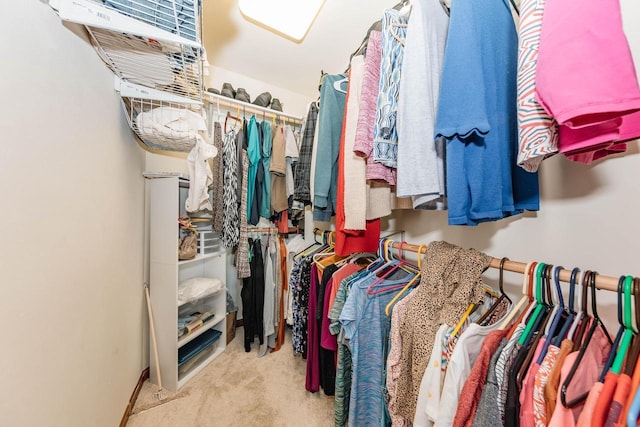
{"type": "Point", "coordinates": [238, 45]}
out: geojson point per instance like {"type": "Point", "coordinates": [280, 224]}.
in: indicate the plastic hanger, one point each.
{"type": "Point", "coordinates": [634, 408]}
{"type": "Point", "coordinates": [539, 307]}
{"type": "Point", "coordinates": [532, 343]}
{"type": "Point", "coordinates": [571, 314]}
{"type": "Point", "coordinates": [408, 285]}
{"type": "Point", "coordinates": [616, 368]}
{"type": "Point", "coordinates": [337, 85]}
{"type": "Point", "coordinates": [580, 313]}
{"type": "Point", "coordinates": [590, 279]}
{"type": "Point", "coordinates": [502, 296]}
{"type": "Point", "coordinates": [557, 315]}
{"type": "Point", "coordinates": [526, 299]}
{"type": "Point", "coordinates": [397, 263]}
{"type": "Point", "coordinates": [586, 319]}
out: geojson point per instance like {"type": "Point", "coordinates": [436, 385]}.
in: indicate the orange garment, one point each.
{"type": "Point", "coordinates": [615, 416]}
{"type": "Point", "coordinates": [635, 382]}
{"type": "Point", "coordinates": [551, 389]}
{"type": "Point", "coordinates": [284, 286]}
{"type": "Point", "coordinates": [338, 277]}
{"type": "Point", "coordinates": [601, 410]}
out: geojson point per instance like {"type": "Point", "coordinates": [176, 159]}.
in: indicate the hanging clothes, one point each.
{"type": "Point", "coordinates": [278, 169]}
{"type": "Point", "coordinates": [267, 145]}
{"type": "Point", "coordinates": [258, 194]}
{"type": "Point", "coordinates": [332, 101]}
{"type": "Point", "coordinates": [470, 394]}
{"type": "Point", "coordinates": [477, 116]}
{"type": "Point", "coordinates": [598, 106]}
{"type": "Point", "coordinates": [253, 151]}
{"type": "Point", "coordinates": [537, 130]}
{"type": "Point", "coordinates": [367, 329]}
{"type": "Point", "coordinates": [252, 294]}
{"type": "Point", "coordinates": [350, 241]}
{"type": "Point", "coordinates": [393, 360]}
{"type": "Point", "coordinates": [200, 176]}
{"type": "Point", "coordinates": [218, 179]}
{"type": "Point", "coordinates": [352, 168]}
{"type": "Point", "coordinates": [302, 191]}
{"type": "Point", "coordinates": [385, 133]}
{"type": "Point", "coordinates": [230, 206]}
{"type": "Point", "coordinates": [363, 145]}
{"type": "Point", "coordinates": [300, 284]}
{"type": "Point", "coordinates": [243, 267]}
{"type": "Point", "coordinates": [440, 298]}
{"type": "Point", "coordinates": [268, 312]}
{"type": "Point", "coordinates": [421, 172]}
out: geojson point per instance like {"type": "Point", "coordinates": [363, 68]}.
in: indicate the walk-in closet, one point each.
{"type": "Point", "coordinates": [321, 213]}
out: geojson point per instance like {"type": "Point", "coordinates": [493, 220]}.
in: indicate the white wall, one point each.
{"type": "Point", "coordinates": [71, 298]}
{"type": "Point", "coordinates": [588, 214]}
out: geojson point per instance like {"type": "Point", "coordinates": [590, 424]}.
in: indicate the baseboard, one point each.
{"type": "Point", "coordinates": [134, 396]}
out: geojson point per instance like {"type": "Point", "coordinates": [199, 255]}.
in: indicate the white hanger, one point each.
{"type": "Point", "coordinates": [337, 85]}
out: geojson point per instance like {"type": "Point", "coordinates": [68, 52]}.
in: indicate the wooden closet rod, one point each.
{"type": "Point", "coordinates": [607, 283]}
{"type": "Point", "coordinates": [249, 108]}
{"type": "Point", "coordinates": [271, 229]}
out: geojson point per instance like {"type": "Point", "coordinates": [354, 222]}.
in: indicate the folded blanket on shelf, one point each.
{"type": "Point", "coordinates": [171, 123]}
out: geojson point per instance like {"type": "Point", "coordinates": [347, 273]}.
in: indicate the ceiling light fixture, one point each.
{"type": "Point", "coordinates": [290, 18]}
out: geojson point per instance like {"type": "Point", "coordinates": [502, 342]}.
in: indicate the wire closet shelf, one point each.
{"type": "Point", "coordinates": [153, 43]}
{"type": "Point", "coordinates": [154, 49]}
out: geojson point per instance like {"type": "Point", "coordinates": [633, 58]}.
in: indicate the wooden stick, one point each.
{"type": "Point", "coordinates": [602, 282]}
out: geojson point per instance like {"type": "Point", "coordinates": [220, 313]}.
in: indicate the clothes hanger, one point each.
{"type": "Point", "coordinates": [603, 405]}
{"type": "Point", "coordinates": [570, 312]}
{"type": "Point", "coordinates": [502, 297]}
{"type": "Point", "coordinates": [623, 350]}
{"type": "Point", "coordinates": [337, 85]}
{"type": "Point", "coordinates": [408, 285]}
{"type": "Point", "coordinates": [236, 120]}
{"type": "Point", "coordinates": [398, 262]}
{"type": "Point", "coordinates": [579, 315]}
{"type": "Point", "coordinates": [595, 324]}
{"type": "Point", "coordinates": [526, 299]}
{"type": "Point", "coordinates": [634, 408]}
{"type": "Point", "coordinates": [557, 315]}
{"type": "Point", "coordinates": [586, 317]}
{"type": "Point", "coordinates": [535, 335]}
{"type": "Point", "coordinates": [539, 307]}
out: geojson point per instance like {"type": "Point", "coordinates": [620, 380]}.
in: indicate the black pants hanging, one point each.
{"type": "Point", "coordinates": [253, 297]}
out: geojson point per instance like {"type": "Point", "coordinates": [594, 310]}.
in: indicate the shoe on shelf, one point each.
{"type": "Point", "coordinates": [213, 90]}
{"type": "Point", "coordinates": [276, 105]}
{"type": "Point", "coordinates": [242, 95]}
{"type": "Point", "coordinates": [263, 99]}
{"type": "Point", "coordinates": [228, 90]}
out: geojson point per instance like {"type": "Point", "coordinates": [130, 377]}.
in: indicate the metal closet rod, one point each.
{"type": "Point", "coordinates": [607, 283]}
{"type": "Point", "coordinates": [216, 99]}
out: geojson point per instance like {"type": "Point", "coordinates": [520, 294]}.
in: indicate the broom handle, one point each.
{"type": "Point", "coordinates": [153, 335]}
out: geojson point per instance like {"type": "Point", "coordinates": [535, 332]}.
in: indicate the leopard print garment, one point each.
{"type": "Point", "coordinates": [451, 280]}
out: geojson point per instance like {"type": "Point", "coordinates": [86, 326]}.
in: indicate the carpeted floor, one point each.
{"type": "Point", "coordinates": [239, 389]}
